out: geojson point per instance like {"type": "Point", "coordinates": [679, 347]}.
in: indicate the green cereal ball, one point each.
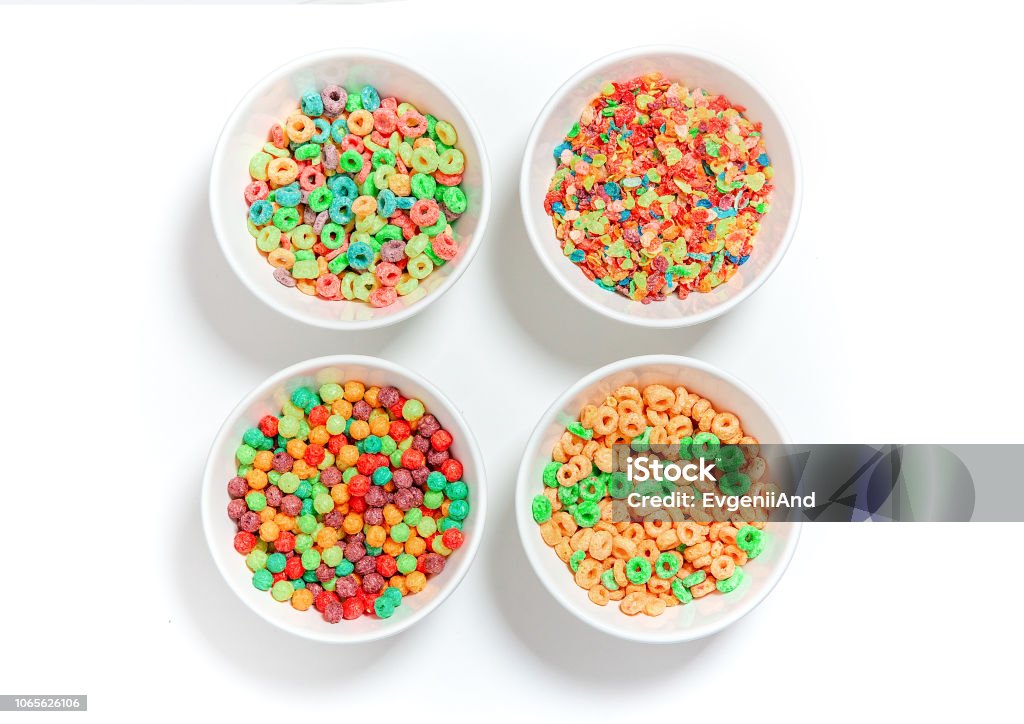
{"type": "Point", "coordinates": [323, 503]}
{"type": "Point", "coordinates": [399, 532]}
{"type": "Point", "coordinates": [541, 508]}
{"type": "Point", "coordinates": [680, 591]}
{"type": "Point", "coordinates": [276, 562]}
{"type": "Point", "coordinates": [550, 475]}
{"type": "Point", "coordinates": [437, 481]}
{"type": "Point", "coordinates": [256, 439]}
{"type": "Point", "coordinates": [406, 563]}
{"type": "Point", "coordinates": [728, 585]}
{"type": "Point", "coordinates": [666, 566]}
{"type": "Point", "coordinates": [311, 559]}
{"type": "Point", "coordinates": [608, 580]}
{"type": "Point", "coordinates": [245, 454]}
{"type": "Point", "coordinates": [335, 424]}
{"type": "Point", "coordinates": [393, 595]}
{"type": "Point", "coordinates": [288, 483]}
{"type": "Point", "coordinates": [306, 523]}
{"type": "Point", "coordinates": [330, 392]}
{"type": "Point", "coordinates": [427, 526]}
{"type": "Point", "coordinates": [383, 607]}
{"type": "Point", "coordinates": [288, 427]}
{"type": "Point", "coordinates": [256, 560]}
{"type": "Point", "coordinates": [263, 579]}
{"type": "Point", "coordinates": [348, 473]}
{"type": "Point", "coordinates": [734, 483]}
{"type": "Point", "coordinates": [412, 410]}
{"type": "Point", "coordinates": [413, 516]}
{"type": "Point", "coordinates": [457, 490]}
{"type": "Point", "coordinates": [638, 570]}
{"type": "Point", "coordinates": [303, 542]}
{"type": "Point", "coordinates": [586, 515]}
{"type": "Point", "coordinates": [256, 501]}
{"type": "Point", "coordinates": [432, 499]}
{"type": "Point", "coordinates": [577, 429]}
{"type": "Point", "coordinates": [243, 470]}
{"type": "Point", "coordinates": [304, 490]}
{"type": "Point", "coordinates": [568, 494]}
{"type": "Point", "coordinates": [329, 585]}
{"type": "Point", "coordinates": [457, 509]}
{"type": "Point", "coordinates": [575, 559]}
{"type": "Point", "coordinates": [694, 578]}
{"type": "Point", "coordinates": [344, 568]}
{"type": "Point", "coordinates": [751, 541]}
{"type": "Point", "coordinates": [282, 591]}
{"type": "Point", "coordinates": [447, 523]}
{"type": "Point", "coordinates": [387, 445]}
{"type": "Point", "coordinates": [333, 556]}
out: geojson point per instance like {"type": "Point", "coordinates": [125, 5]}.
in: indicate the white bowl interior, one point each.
{"type": "Point", "coordinates": [680, 623]}
{"type": "Point", "coordinates": [221, 466]}
{"type": "Point", "coordinates": [270, 102]}
{"type": "Point", "coordinates": [693, 70]}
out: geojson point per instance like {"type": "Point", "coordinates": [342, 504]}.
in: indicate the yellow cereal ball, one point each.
{"type": "Point", "coordinates": [376, 535]}
{"type": "Point", "coordinates": [319, 435]}
{"type": "Point", "coordinates": [371, 395]}
{"type": "Point", "coordinates": [379, 425]}
{"type": "Point", "coordinates": [359, 430]}
{"type": "Point", "coordinates": [415, 581]}
{"type": "Point", "coordinates": [354, 391]}
{"type": "Point", "coordinates": [352, 523]}
{"type": "Point", "coordinates": [302, 599]}
{"type": "Point", "coordinates": [264, 460]}
{"type": "Point", "coordinates": [269, 531]}
{"type": "Point", "coordinates": [257, 479]}
{"type": "Point", "coordinates": [327, 537]}
{"type": "Point", "coordinates": [296, 448]}
{"type": "Point", "coordinates": [342, 407]}
{"type": "Point", "coordinates": [347, 456]}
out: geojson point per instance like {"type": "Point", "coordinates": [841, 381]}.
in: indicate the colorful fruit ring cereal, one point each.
{"type": "Point", "coordinates": [347, 501]}
{"type": "Point", "coordinates": [349, 180]}
{"type": "Point", "coordinates": [659, 189]}
{"type": "Point", "coordinates": [652, 563]}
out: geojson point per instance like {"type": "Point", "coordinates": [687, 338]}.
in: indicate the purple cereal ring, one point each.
{"type": "Point", "coordinates": [361, 410]}
{"type": "Point", "coordinates": [334, 98]}
{"type": "Point", "coordinates": [373, 582]}
{"type": "Point", "coordinates": [331, 156]}
{"type": "Point", "coordinates": [284, 277]}
{"type": "Point", "coordinates": [291, 505]}
{"type": "Point", "coordinates": [353, 551]}
{"type": "Point", "coordinates": [330, 476]}
{"type": "Point", "coordinates": [432, 563]}
{"type": "Point", "coordinates": [428, 425]}
{"type": "Point", "coordinates": [392, 251]}
{"type": "Point", "coordinates": [308, 215]}
{"type": "Point", "coordinates": [235, 508]}
{"type": "Point", "coordinates": [320, 221]}
{"type": "Point", "coordinates": [238, 487]}
{"type": "Point", "coordinates": [402, 478]}
{"type": "Point", "coordinates": [366, 564]}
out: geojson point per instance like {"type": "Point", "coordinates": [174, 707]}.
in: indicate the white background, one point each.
{"type": "Point", "coordinates": [894, 317]}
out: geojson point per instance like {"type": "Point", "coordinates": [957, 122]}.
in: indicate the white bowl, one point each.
{"type": "Point", "coordinates": [703, 616]}
{"type": "Point", "coordinates": [269, 102]}
{"type": "Point", "coordinates": [221, 466]}
{"type": "Point", "coordinates": [695, 69]}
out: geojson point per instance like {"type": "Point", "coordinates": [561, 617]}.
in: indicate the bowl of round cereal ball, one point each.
{"type": "Point", "coordinates": [660, 186]}
{"type": "Point", "coordinates": [349, 189]}
{"type": "Point", "coordinates": [344, 499]}
{"type": "Point", "coordinates": [650, 577]}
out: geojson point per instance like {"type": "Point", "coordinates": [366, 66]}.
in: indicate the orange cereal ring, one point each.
{"type": "Point", "coordinates": [633, 532]}
{"type": "Point", "coordinates": [598, 595]}
{"type": "Point", "coordinates": [580, 540]}
{"type": "Point", "coordinates": [600, 545]}
{"type": "Point", "coordinates": [693, 552]}
{"type": "Point", "coordinates": [657, 523]}
{"type": "Point", "coordinates": [722, 567]}
{"type": "Point", "coordinates": [628, 392]}
{"type": "Point", "coordinates": [629, 407]}
{"type": "Point", "coordinates": [282, 171]}
{"type": "Point", "coordinates": [565, 523]}
{"type": "Point", "coordinates": [631, 424]}
{"type": "Point", "coordinates": [703, 588]}
{"type": "Point", "coordinates": [623, 548]}
{"type": "Point", "coordinates": [632, 603]}
{"type": "Point", "coordinates": [726, 426]}
{"type": "Point", "coordinates": [679, 426]}
{"type": "Point", "coordinates": [568, 475]}
{"type": "Point", "coordinates": [667, 540]}
{"type": "Point", "coordinates": [299, 128]}
{"type": "Point", "coordinates": [690, 533]}
{"type": "Point", "coordinates": [659, 397]}
{"type": "Point", "coordinates": [360, 122]}
{"type": "Point", "coordinates": [362, 207]}
{"type": "Point", "coordinates": [619, 572]}
{"type": "Point", "coordinates": [563, 550]}
{"type": "Point", "coordinates": [606, 420]}
{"type": "Point", "coordinates": [549, 533]}
{"type": "Point", "coordinates": [648, 549]}
{"type": "Point", "coordinates": [588, 574]}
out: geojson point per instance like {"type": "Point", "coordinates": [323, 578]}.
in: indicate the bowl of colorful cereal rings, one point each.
{"type": "Point", "coordinates": [652, 578]}
{"type": "Point", "coordinates": [344, 499]}
{"type": "Point", "coordinates": [660, 186]}
{"type": "Point", "coordinates": [349, 189]}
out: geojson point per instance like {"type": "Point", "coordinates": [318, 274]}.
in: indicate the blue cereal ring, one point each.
{"type": "Point", "coordinates": [339, 129]}
{"type": "Point", "coordinates": [340, 210]}
{"type": "Point", "coordinates": [360, 255]}
{"type": "Point", "coordinates": [261, 211]}
{"type": "Point", "coordinates": [342, 185]}
{"type": "Point", "coordinates": [370, 98]}
{"type": "Point", "coordinates": [289, 195]}
{"type": "Point", "coordinates": [387, 203]}
{"type": "Point", "coordinates": [323, 130]}
{"type": "Point", "coordinates": [312, 104]}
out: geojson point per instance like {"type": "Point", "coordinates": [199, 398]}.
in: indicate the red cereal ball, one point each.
{"type": "Point", "coordinates": [367, 463]}
{"type": "Point", "coordinates": [386, 565]}
{"type": "Point", "coordinates": [244, 542]}
{"type": "Point", "coordinates": [453, 538]}
{"type": "Point", "coordinates": [452, 470]}
{"type": "Point", "coordinates": [358, 486]}
{"type": "Point", "coordinates": [357, 505]}
{"type": "Point", "coordinates": [441, 440]}
{"type": "Point", "coordinates": [318, 416]}
{"type": "Point", "coordinates": [268, 425]}
{"type": "Point", "coordinates": [412, 459]}
{"type": "Point", "coordinates": [336, 443]}
{"type": "Point", "coordinates": [314, 454]}
{"type": "Point", "coordinates": [286, 542]}
{"type": "Point", "coordinates": [293, 568]}
{"type": "Point", "coordinates": [399, 430]}
{"type": "Point", "coordinates": [282, 576]}
{"type": "Point", "coordinates": [383, 460]}
{"type": "Point", "coordinates": [369, 599]}
{"type": "Point", "coordinates": [352, 608]}
{"type": "Point", "coordinates": [396, 409]}
{"type": "Point", "coordinates": [325, 598]}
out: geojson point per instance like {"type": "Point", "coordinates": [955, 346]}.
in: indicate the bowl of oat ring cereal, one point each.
{"type": "Point", "coordinates": [652, 578]}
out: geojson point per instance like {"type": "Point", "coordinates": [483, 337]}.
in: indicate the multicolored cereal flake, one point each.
{"type": "Point", "coordinates": [659, 189]}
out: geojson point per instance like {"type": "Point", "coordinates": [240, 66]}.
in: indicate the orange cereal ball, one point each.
{"type": "Point", "coordinates": [296, 448]}
{"type": "Point", "coordinates": [257, 479]}
{"type": "Point", "coordinates": [371, 395]}
{"type": "Point", "coordinates": [379, 425]}
{"type": "Point", "coordinates": [303, 469]}
{"type": "Point", "coordinates": [342, 407]}
{"type": "Point", "coordinates": [267, 513]}
{"type": "Point", "coordinates": [393, 548]}
{"type": "Point", "coordinates": [347, 456]}
{"type": "Point", "coordinates": [415, 581]}
{"type": "Point", "coordinates": [415, 546]}
{"type": "Point", "coordinates": [392, 514]}
{"type": "Point", "coordinates": [398, 581]}
{"type": "Point", "coordinates": [339, 494]}
{"type": "Point", "coordinates": [376, 535]}
{"type": "Point", "coordinates": [354, 391]}
{"type": "Point", "coordinates": [352, 523]}
{"type": "Point", "coordinates": [360, 430]}
{"type": "Point", "coordinates": [327, 537]}
{"type": "Point", "coordinates": [284, 522]}
{"type": "Point", "coordinates": [319, 435]}
{"type": "Point", "coordinates": [302, 599]}
{"type": "Point", "coordinates": [264, 460]}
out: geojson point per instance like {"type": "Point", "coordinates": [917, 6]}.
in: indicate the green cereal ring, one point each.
{"type": "Point", "coordinates": [415, 246]}
{"type": "Point", "coordinates": [437, 227]}
{"type": "Point", "coordinates": [577, 429]}
{"type": "Point", "coordinates": [269, 239]}
{"type": "Point", "coordinates": [350, 161]}
{"type": "Point", "coordinates": [549, 476]}
{"type": "Point", "coordinates": [423, 186]}
{"type": "Point", "coordinates": [405, 288]}
{"type": "Point", "coordinates": [451, 161]}
{"type": "Point", "coordinates": [619, 486]}
{"type": "Point", "coordinates": [282, 591]}
{"type": "Point", "coordinates": [680, 591]}
{"type": "Point", "coordinates": [575, 559]}
{"type": "Point", "coordinates": [320, 198]}
{"type": "Point", "coordinates": [608, 580]}
{"type": "Point", "coordinates": [641, 443]}
{"type": "Point", "coordinates": [638, 570]}
{"type": "Point", "coordinates": [694, 578]}
{"type": "Point", "coordinates": [455, 199]}
{"type": "Point", "coordinates": [727, 585]}
{"type": "Point", "coordinates": [446, 133]}
{"type": "Point", "coordinates": [750, 540]}
{"type": "Point", "coordinates": [592, 488]}
{"type": "Point", "coordinates": [730, 458]}
{"type": "Point", "coordinates": [705, 445]}
{"type": "Point", "coordinates": [686, 448]}
{"type": "Point", "coordinates": [258, 165]}
{"type": "Point", "coordinates": [541, 508]}
{"type": "Point", "coordinates": [263, 579]}
{"type": "Point", "coordinates": [307, 152]}
{"type": "Point", "coordinates": [568, 494]}
{"type": "Point", "coordinates": [666, 566]}
{"type": "Point", "coordinates": [587, 514]}
{"type": "Point", "coordinates": [424, 159]}
{"type": "Point", "coordinates": [285, 218]}
{"type": "Point", "coordinates": [734, 483]}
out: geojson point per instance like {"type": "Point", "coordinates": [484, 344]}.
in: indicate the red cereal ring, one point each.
{"type": "Point", "coordinates": [379, 138]}
{"type": "Point", "coordinates": [277, 136]}
{"type": "Point", "coordinates": [367, 169]}
{"type": "Point", "coordinates": [268, 425]}
{"type": "Point", "coordinates": [285, 542]}
{"type": "Point", "coordinates": [448, 179]}
{"type": "Point", "coordinates": [424, 212]}
{"type": "Point", "coordinates": [452, 538]}
{"type": "Point", "coordinates": [389, 102]}
{"type": "Point", "coordinates": [244, 542]}
{"type": "Point", "coordinates": [352, 142]}
{"type": "Point", "coordinates": [451, 469]}
{"type": "Point", "coordinates": [399, 430]}
{"type": "Point", "coordinates": [441, 440]}
{"type": "Point", "coordinates": [310, 177]}
{"type": "Point", "coordinates": [256, 191]}
{"type": "Point", "coordinates": [319, 249]}
{"type": "Point", "coordinates": [388, 274]}
{"type": "Point", "coordinates": [358, 486]}
{"type": "Point", "coordinates": [318, 415]}
{"type": "Point", "coordinates": [412, 124]}
{"type": "Point", "coordinates": [385, 120]}
{"type": "Point", "coordinates": [445, 247]}
{"type": "Point", "coordinates": [293, 568]}
{"type": "Point", "coordinates": [403, 222]}
{"type": "Point", "coordinates": [328, 286]}
{"type": "Point", "coordinates": [383, 296]}
{"type": "Point", "coordinates": [412, 459]}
